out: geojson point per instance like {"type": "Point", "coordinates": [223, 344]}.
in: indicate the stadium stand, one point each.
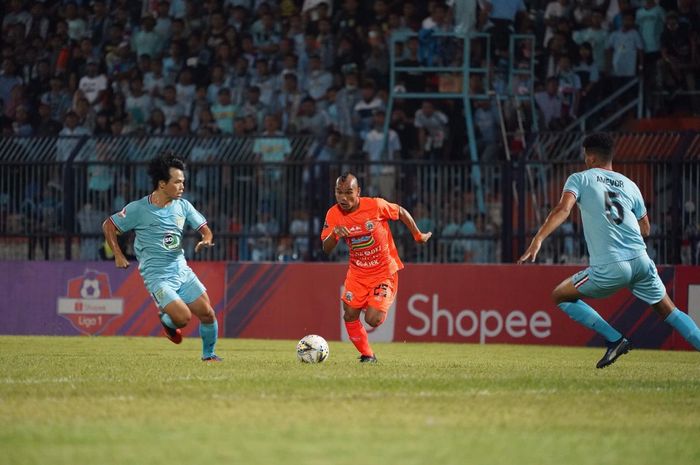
{"type": "Point", "coordinates": [315, 75]}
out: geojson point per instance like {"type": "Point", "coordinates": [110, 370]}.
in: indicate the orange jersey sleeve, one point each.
{"type": "Point", "coordinates": [387, 210]}
{"type": "Point", "coordinates": [331, 221]}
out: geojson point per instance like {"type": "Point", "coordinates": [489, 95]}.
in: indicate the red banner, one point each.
{"type": "Point", "coordinates": [435, 303]}
{"type": "Point", "coordinates": [440, 303]}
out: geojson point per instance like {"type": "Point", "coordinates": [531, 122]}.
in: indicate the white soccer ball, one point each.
{"type": "Point", "coordinates": [312, 349]}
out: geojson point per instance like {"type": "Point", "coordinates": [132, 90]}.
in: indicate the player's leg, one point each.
{"type": "Point", "coordinates": [681, 321]}
{"type": "Point", "coordinates": [354, 299]}
{"type": "Point", "coordinates": [194, 293]}
{"type": "Point", "coordinates": [357, 332]}
{"type": "Point", "coordinates": [174, 313]}
{"type": "Point", "coordinates": [595, 282]}
{"type": "Point", "coordinates": [381, 299]}
{"type": "Point", "coordinates": [374, 316]}
{"type": "Point", "coordinates": [568, 295]}
{"type": "Point", "coordinates": [650, 288]}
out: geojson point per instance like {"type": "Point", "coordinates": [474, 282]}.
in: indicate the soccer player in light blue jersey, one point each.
{"type": "Point", "coordinates": [614, 224]}
{"type": "Point", "coordinates": [158, 221]}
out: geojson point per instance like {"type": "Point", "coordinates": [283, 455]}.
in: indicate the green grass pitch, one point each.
{"type": "Point", "coordinates": [114, 400]}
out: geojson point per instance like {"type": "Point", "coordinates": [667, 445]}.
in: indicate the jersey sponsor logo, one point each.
{"type": "Point", "coordinates": [89, 304]}
{"type": "Point", "coordinates": [171, 241]}
{"type": "Point", "coordinates": [362, 242]}
{"type": "Point", "coordinates": [366, 263]}
{"type": "Point", "coordinates": [122, 214]}
{"type": "Point", "coordinates": [354, 229]}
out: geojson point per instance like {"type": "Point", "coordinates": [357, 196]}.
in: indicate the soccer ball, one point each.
{"type": "Point", "coordinates": [312, 349]}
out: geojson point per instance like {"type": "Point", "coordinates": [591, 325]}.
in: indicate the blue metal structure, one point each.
{"type": "Point", "coordinates": [465, 70]}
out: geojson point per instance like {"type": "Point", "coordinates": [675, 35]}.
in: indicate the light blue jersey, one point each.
{"type": "Point", "coordinates": [611, 206]}
{"type": "Point", "coordinates": [158, 243]}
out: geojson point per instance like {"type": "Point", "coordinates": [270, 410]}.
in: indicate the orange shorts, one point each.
{"type": "Point", "coordinates": [378, 293]}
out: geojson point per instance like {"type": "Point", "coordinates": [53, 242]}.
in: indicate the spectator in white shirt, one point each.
{"type": "Point", "coordinates": [378, 149]}
{"type": "Point", "coordinates": [93, 85]}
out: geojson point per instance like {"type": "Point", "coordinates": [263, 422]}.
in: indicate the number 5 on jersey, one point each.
{"type": "Point", "coordinates": [610, 204]}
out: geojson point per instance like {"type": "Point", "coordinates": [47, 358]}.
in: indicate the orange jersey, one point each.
{"type": "Point", "coordinates": [373, 253]}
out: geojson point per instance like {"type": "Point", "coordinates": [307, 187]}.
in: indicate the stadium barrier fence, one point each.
{"type": "Point", "coordinates": [266, 197]}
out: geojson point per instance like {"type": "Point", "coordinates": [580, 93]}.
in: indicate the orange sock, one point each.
{"type": "Point", "coordinates": [358, 336]}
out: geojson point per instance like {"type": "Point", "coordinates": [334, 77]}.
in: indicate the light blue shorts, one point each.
{"type": "Point", "coordinates": [638, 274]}
{"type": "Point", "coordinates": [185, 286]}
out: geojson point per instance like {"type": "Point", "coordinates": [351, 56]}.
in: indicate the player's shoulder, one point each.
{"type": "Point", "coordinates": [376, 202]}
{"type": "Point", "coordinates": [137, 204]}
{"type": "Point", "coordinates": [574, 182]}
{"type": "Point", "coordinates": [334, 211]}
{"type": "Point", "coordinates": [372, 201]}
{"type": "Point", "coordinates": [183, 202]}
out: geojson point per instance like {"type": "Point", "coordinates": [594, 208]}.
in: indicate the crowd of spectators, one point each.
{"type": "Point", "coordinates": [277, 68]}
{"type": "Point", "coordinates": [184, 67]}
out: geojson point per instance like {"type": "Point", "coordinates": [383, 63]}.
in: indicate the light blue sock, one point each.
{"type": "Point", "coordinates": [209, 334]}
{"type": "Point", "coordinates": [583, 313]}
{"type": "Point", "coordinates": [167, 321]}
{"type": "Point", "coordinates": [686, 326]}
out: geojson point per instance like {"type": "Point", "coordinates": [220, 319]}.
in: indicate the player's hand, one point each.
{"type": "Point", "coordinates": [203, 243]}
{"type": "Point", "coordinates": [341, 231]}
{"type": "Point", "coordinates": [121, 262]}
{"type": "Point", "coordinates": [531, 253]}
{"type": "Point", "coordinates": [424, 237]}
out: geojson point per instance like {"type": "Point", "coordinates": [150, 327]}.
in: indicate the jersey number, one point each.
{"type": "Point", "coordinates": [610, 204]}
{"type": "Point", "coordinates": [382, 290]}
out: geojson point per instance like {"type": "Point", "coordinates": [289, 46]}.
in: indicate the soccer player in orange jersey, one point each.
{"type": "Point", "coordinates": [372, 279]}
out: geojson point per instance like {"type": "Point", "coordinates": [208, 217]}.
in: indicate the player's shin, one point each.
{"type": "Point", "coordinates": [685, 325]}
{"type": "Point", "coordinates": [209, 334]}
{"type": "Point", "coordinates": [583, 313]}
{"type": "Point", "coordinates": [358, 336]}
{"type": "Point", "coordinates": [167, 321]}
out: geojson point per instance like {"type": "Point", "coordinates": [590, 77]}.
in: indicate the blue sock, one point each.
{"type": "Point", "coordinates": [167, 321]}
{"type": "Point", "coordinates": [686, 326]}
{"type": "Point", "coordinates": [583, 313]}
{"type": "Point", "coordinates": [209, 334]}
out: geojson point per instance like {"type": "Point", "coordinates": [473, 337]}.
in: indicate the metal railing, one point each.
{"type": "Point", "coordinates": [52, 205]}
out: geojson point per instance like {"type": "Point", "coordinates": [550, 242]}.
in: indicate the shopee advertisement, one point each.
{"type": "Point", "coordinates": [481, 304]}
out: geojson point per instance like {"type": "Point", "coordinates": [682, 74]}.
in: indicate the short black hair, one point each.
{"type": "Point", "coordinates": [600, 144]}
{"type": "Point", "coordinates": [345, 176]}
{"type": "Point", "coordinates": [159, 167]}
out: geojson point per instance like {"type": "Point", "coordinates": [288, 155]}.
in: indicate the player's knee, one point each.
{"type": "Point", "coordinates": [556, 297]}
{"type": "Point", "coordinates": [350, 316]}
{"type": "Point", "coordinates": [181, 319]}
{"type": "Point", "coordinates": [208, 317]}
{"type": "Point", "coordinates": [375, 319]}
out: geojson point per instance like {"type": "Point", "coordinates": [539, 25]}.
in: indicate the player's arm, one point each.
{"type": "Point", "coordinates": [556, 217]}
{"type": "Point", "coordinates": [110, 232]}
{"type": "Point", "coordinates": [207, 238]}
{"type": "Point", "coordinates": [645, 226]}
{"type": "Point", "coordinates": [333, 238]}
{"type": "Point", "coordinates": [410, 223]}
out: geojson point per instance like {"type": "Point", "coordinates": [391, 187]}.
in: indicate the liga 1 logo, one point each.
{"type": "Point", "coordinates": [89, 305]}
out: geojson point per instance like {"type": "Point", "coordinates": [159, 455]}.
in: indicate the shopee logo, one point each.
{"type": "Point", "coordinates": [467, 323]}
